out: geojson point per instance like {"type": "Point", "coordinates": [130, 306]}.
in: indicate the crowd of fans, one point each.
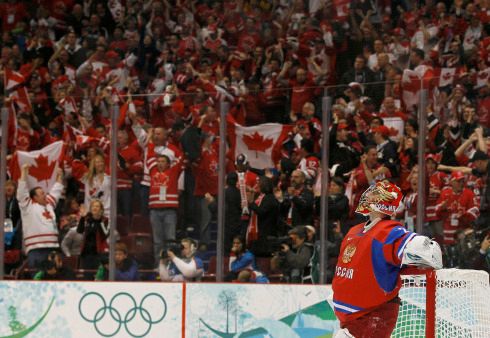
{"type": "Point", "coordinates": [167, 65]}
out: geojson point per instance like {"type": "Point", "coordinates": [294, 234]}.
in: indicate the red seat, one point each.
{"type": "Point", "coordinates": [71, 262]}
{"type": "Point", "coordinates": [264, 265]}
{"type": "Point", "coordinates": [122, 225]}
{"type": "Point", "coordinates": [212, 265]}
{"type": "Point", "coordinates": [140, 246]}
{"type": "Point", "coordinates": [140, 223]}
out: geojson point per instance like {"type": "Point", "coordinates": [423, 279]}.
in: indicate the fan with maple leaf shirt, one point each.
{"type": "Point", "coordinates": [43, 165]}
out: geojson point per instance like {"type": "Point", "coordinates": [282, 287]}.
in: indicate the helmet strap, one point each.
{"type": "Point", "coordinates": [374, 218]}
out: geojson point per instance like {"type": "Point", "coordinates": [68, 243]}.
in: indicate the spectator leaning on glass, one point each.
{"type": "Point", "coordinates": [38, 217]}
{"type": "Point", "coordinates": [187, 267]}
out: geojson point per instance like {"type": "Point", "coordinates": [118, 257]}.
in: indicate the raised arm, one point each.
{"type": "Point", "coordinates": [57, 188]}
{"type": "Point", "coordinates": [22, 190]}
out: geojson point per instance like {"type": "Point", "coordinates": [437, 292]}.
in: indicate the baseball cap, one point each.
{"type": "Point", "coordinates": [434, 157]}
{"type": "Point", "coordinates": [383, 130]}
{"type": "Point", "coordinates": [111, 54]}
{"type": "Point", "coordinates": [457, 175]}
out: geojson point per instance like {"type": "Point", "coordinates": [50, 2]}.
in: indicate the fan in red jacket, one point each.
{"type": "Point", "coordinates": [164, 198]}
{"type": "Point", "coordinates": [367, 275]}
{"type": "Point", "coordinates": [457, 207]}
{"type": "Point", "coordinates": [130, 167]}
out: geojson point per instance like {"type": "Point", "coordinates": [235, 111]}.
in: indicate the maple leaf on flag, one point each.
{"type": "Point", "coordinates": [393, 131]}
{"type": "Point", "coordinates": [257, 142]}
{"type": "Point", "coordinates": [43, 170]}
{"type": "Point", "coordinates": [411, 83]}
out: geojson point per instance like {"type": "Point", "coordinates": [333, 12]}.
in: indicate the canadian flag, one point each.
{"type": "Point", "coordinates": [68, 105]}
{"type": "Point", "coordinates": [84, 140]}
{"type": "Point", "coordinates": [12, 126]}
{"type": "Point", "coordinates": [482, 78]}
{"type": "Point", "coordinates": [44, 165]}
{"type": "Point", "coordinates": [446, 76]}
{"type": "Point", "coordinates": [128, 106]}
{"type": "Point", "coordinates": [14, 85]}
{"type": "Point", "coordinates": [412, 81]}
{"type": "Point", "coordinates": [70, 134]}
{"type": "Point", "coordinates": [261, 144]}
{"type": "Point", "coordinates": [342, 7]}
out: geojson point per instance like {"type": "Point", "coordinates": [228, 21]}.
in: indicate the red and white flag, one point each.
{"type": "Point", "coordinates": [13, 79]}
{"type": "Point", "coordinates": [482, 78]}
{"type": "Point", "coordinates": [261, 144]}
{"type": "Point", "coordinates": [70, 134]}
{"type": "Point", "coordinates": [68, 105]}
{"type": "Point", "coordinates": [14, 85]}
{"type": "Point", "coordinates": [84, 140]}
{"type": "Point", "coordinates": [411, 85]}
{"type": "Point", "coordinates": [21, 97]}
{"type": "Point", "coordinates": [12, 127]}
{"type": "Point", "coordinates": [413, 81]}
{"type": "Point", "coordinates": [44, 165]}
{"type": "Point", "coordinates": [343, 9]}
{"type": "Point", "coordinates": [446, 76]}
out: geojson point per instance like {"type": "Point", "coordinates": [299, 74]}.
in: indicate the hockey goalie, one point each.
{"type": "Point", "coordinates": [372, 254]}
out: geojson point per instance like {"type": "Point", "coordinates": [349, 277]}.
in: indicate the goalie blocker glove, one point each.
{"type": "Point", "coordinates": [423, 252]}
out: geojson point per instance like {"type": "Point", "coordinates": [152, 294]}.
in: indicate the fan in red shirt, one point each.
{"type": "Point", "coordinates": [302, 90]}
{"type": "Point", "coordinates": [205, 172]}
{"type": "Point", "coordinates": [27, 138]}
{"type": "Point", "coordinates": [390, 109]}
{"type": "Point", "coordinates": [457, 207]}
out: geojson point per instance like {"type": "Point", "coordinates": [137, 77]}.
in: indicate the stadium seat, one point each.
{"type": "Point", "coordinates": [123, 225]}
{"type": "Point", "coordinates": [264, 265]}
{"type": "Point", "coordinates": [140, 224]}
{"type": "Point", "coordinates": [212, 265]}
{"type": "Point", "coordinates": [71, 262]}
{"type": "Point", "coordinates": [140, 246]}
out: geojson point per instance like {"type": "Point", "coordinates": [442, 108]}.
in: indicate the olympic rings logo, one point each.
{"type": "Point", "coordinates": [122, 310]}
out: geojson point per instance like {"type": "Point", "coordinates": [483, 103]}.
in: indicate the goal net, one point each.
{"type": "Point", "coordinates": [444, 303]}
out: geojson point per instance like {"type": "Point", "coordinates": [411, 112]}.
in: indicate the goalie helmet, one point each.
{"type": "Point", "coordinates": [382, 197]}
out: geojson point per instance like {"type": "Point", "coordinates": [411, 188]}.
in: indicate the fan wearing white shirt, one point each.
{"type": "Point", "coordinates": [40, 229]}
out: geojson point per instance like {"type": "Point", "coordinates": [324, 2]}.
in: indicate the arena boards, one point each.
{"type": "Point", "coordinates": [106, 309]}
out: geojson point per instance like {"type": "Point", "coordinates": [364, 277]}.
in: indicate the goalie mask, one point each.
{"type": "Point", "coordinates": [382, 197]}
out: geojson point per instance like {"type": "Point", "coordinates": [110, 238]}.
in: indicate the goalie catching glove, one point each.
{"type": "Point", "coordinates": [423, 252]}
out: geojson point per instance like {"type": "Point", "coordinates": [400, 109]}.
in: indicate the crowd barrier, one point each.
{"type": "Point", "coordinates": [115, 309]}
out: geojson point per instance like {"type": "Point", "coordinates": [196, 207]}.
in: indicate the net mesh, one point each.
{"type": "Point", "coordinates": [462, 305]}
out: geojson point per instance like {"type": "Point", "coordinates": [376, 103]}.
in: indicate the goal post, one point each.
{"type": "Point", "coordinates": [443, 303]}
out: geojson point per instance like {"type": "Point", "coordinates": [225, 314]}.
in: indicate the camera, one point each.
{"type": "Point", "coordinates": [176, 248]}
{"type": "Point", "coordinates": [277, 245]}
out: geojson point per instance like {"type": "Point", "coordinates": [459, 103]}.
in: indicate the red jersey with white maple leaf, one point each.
{"type": "Point", "coordinates": [206, 173]}
{"type": "Point", "coordinates": [437, 181]}
{"type": "Point", "coordinates": [133, 157]}
{"type": "Point", "coordinates": [461, 209]}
